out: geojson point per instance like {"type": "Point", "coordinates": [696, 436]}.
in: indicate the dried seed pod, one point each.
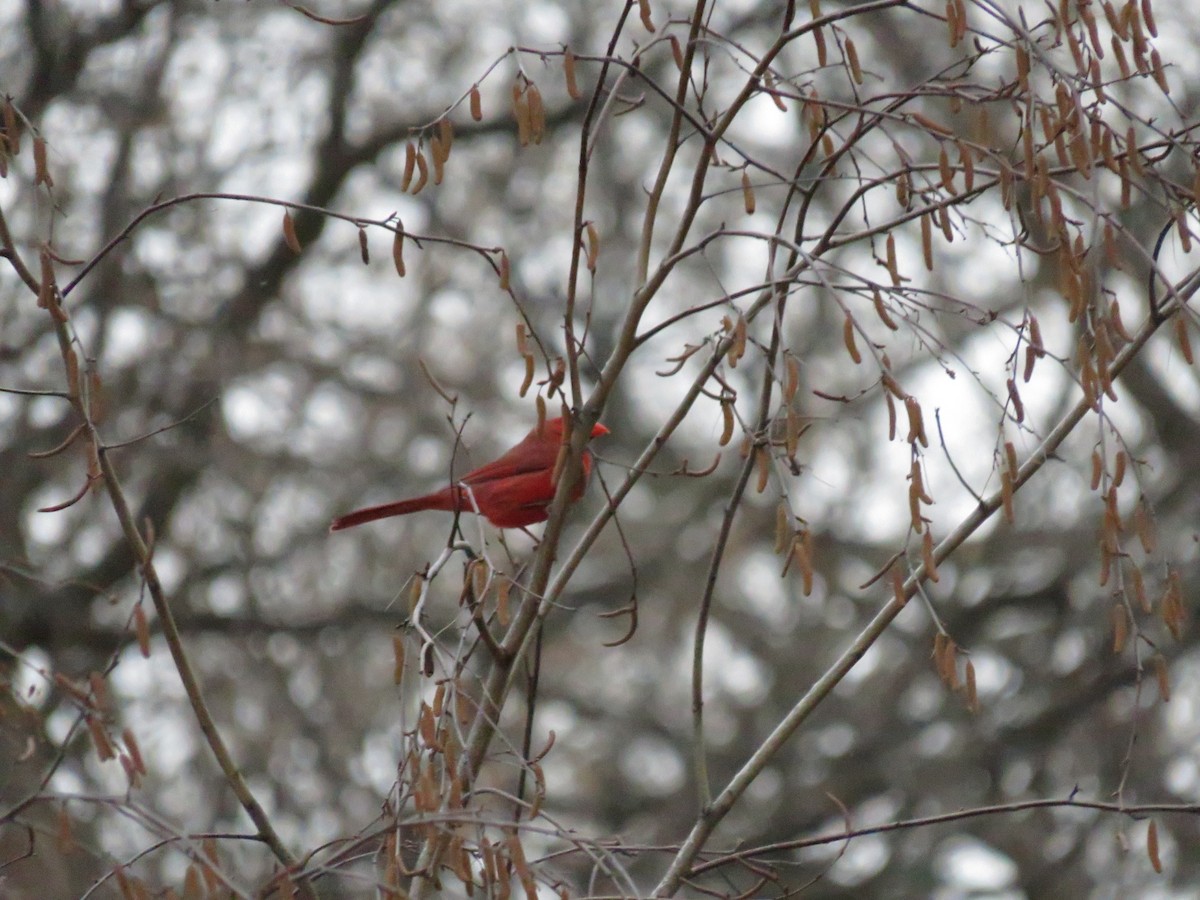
{"type": "Point", "coordinates": [1152, 846]}
{"type": "Point", "coordinates": [437, 153]}
{"type": "Point", "coordinates": [135, 752]}
{"type": "Point", "coordinates": [927, 240]}
{"type": "Point", "coordinates": [1162, 676]}
{"type": "Point", "coordinates": [1119, 470]}
{"type": "Point", "coordinates": [192, 889]}
{"type": "Point", "coordinates": [65, 836]}
{"type": "Point", "coordinates": [763, 461]}
{"type": "Point", "coordinates": [1172, 610]}
{"type": "Point", "coordinates": [363, 249]}
{"type": "Point", "coordinates": [966, 159]}
{"type": "Point", "coordinates": [476, 103]}
{"type": "Point", "coordinates": [916, 422]}
{"type": "Point", "coordinates": [398, 251]}
{"type": "Point", "coordinates": [569, 74]}
{"type": "Point", "coordinates": [677, 52]}
{"type": "Point", "coordinates": [773, 92]}
{"type": "Point", "coordinates": [737, 345]}
{"type": "Point", "coordinates": [1185, 343]}
{"type": "Point", "coordinates": [1006, 186]}
{"type": "Point", "coordinates": [972, 693]}
{"type": "Point", "coordinates": [104, 747]}
{"type": "Point", "coordinates": [1010, 459]}
{"type": "Point", "coordinates": [142, 629]}
{"type": "Point", "coordinates": [952, 22]}
{"type": "Point", "coordinates": [881, 311]}
{"type": "Point", "coordinates": [648, 24]}
{"type": "Point", "coordinates": [1139, 590]}
{"type": "Point", "coordinates": [891, 411]}
{"type": "Point", "coordinates": [792, 384]}
{"type": "Point", "coordinates": [1120, 627]}
{"type": "Point", "coordinates": [914, 508]}
{"type": "Point", "coordinates": [852, 61]}
{"type": "Point", "coordinates": [892, 267]}
{"type": "Point", "coordinates": [97, 408]}
{"type": "Point", "coordinates": [899, 595]}
{"type": "Point", "coordinates": [481, 574]}
{"type": "Point", "coordinates": [521, 114]}
{"type": "Point", "coordinates": [439, 694]}
{"type": "Point", "coordinates": [944, 221]}
{"type": "Point", "coordinates": [848, 339]}
{"type": "Point", "coordinates": [1006, 496]}
{"type": "Point", "coordinates": [727, 422]}
{"type": "Point", "coordinates": [1156, 66]}
{"type": "Point", "coordinates": [422, 173]}
{"type": "Point", "coordinates": [928, 558]}
{"type": "Point", "coordinates": [289, 232]}
{"type": "Point", "coordinates": [414, 593]}
{"type": "Point", "coordinates": [505, 271]}
{"type": "Point", "coordinates": [71, 361]}
{"type": "Point", "coordinates": [1143, 526]}
{"type": "Point", "coordinates": [945, 171]}
{"type": "Point", "coordinates": [1148, 18]}
{"type": "Point", "coordinates": [747, 193]}
{"type": "Point", "coordinates": [1015, 396]}
{"type": "Point", "coordinates": [1185, 236]}
{"type": "Point", "coordinates": [945, 658]}
{"type": "Point", "coordinates": [100, 697]}
{"type": "Point", "coordinates": [782, 526]}
{"type": "Point", "coordinates": [410, 165]}
{"type": "Point", "coordinates": [593, 246]}
{"type": "Point", "coordinates": [40, 168]}
{"type": "Point", "coordinates": [426, 726]}
{"type": "Point", "coordinates": [12, 127]}
{"type": "Point", "coordinates": [822, 51]}
{"type": "Point", "coordinates": [794, 430]}
{"type": "Point", "coordinates": [537, 114]}
{"type": "Point", "coordinates": [802, 552]}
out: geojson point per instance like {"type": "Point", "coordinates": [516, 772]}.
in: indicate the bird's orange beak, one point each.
{"type": "Point", "coordinates": [599, 430]}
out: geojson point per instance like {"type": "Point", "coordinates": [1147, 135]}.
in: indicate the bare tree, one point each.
{"type": "Point", "coordinates": [881, 576]}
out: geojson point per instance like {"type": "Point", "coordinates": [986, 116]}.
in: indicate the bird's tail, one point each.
{"type": "Point", "coordinates": [440, 500]}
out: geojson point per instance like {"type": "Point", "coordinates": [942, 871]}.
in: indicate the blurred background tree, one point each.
{"type": "Point", "coordinates": [886, 262]}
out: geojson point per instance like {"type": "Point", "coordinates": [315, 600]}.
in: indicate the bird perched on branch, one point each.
{"type": "Point", "coordinates": [512, 491]}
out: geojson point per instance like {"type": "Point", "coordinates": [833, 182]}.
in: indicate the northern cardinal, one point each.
{"type": "Point", "coordinates": [513, 491]}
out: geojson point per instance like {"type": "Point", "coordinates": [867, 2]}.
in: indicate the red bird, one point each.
{"type": "Point", "coordinates": [511, 492]}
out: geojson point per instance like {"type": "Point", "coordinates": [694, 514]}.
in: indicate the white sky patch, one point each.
{"type": "Point", "coordinates": [994, 675]}
{"type": "Point", "coordinates": [45, 411]}
{"type": "Point", "coordinates": [1182, 778]}
{"type": "Point", "coordinates": [257, 407]}
{"type": "Point", "coordinates": [653, 765]}
{"type": "Point", "coordinates": [970, 865]}
{"type": "Point", "coordinates": [129, 332]}
{"type": "Point", "coordinates": [864, 858]}
{"type": "Point", "coordinates": [762, 591]}
{"type": "Point", "coordinates": [865, 667]}
{"type": "Point", "coordinates": [543, 23]}
{"type": "Point", "coordinates": [730, 670]}
{"type": "Point", "coordinates": [770, 126]}
{"type": "Point", "coordinates": [226, 595]}
{"type": "Point", "coordinates": [328, 413]}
